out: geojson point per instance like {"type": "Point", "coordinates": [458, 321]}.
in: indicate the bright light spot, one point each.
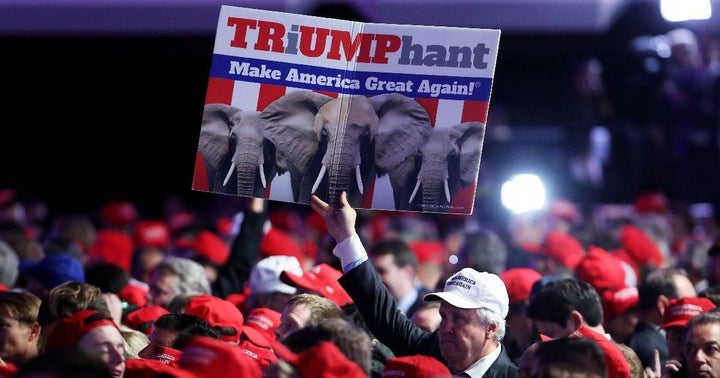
{"type": "Point", "coordinates": [683, 10]}
{"type": "Point", "coordinates": [453, 259]}
{"type": "Point", "coordinates": [523, 193]}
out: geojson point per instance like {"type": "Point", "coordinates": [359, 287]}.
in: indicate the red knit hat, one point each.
{"type": "Point", "coordinates": [519, 282]}
{"type": "Point", "coordinates": [144, 315]}
{"type": "Point", "coordinates": [640, 247]}
{"type": "Point", "coordinates": [208, 357]}
{"type": "Point", "coordinates": [680, 310]}
{"type": "Point", "coordinates": [322, 279]}
{"type": "Point", "coordinates": [324, 360]}
{"type": "Point", "coordinates": [218, 312]}
{"type": "Point", "coordinates": [211, 247]}
{"type": "Point", "coordinates": [260, 326]}
{"type": "Point", "coordinates": [561, 247]}
{"type": "Point", "coordinates": [152, 233]}
{"type": "Point", "coordinates": [416, 366]}
{"type": "Point", "coordinates": [69, 330]}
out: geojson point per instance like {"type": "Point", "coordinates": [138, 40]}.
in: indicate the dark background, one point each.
{"type": "Point", "coordinates": [90, 118]}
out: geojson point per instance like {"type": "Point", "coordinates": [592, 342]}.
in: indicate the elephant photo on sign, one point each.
{"type": "Point", "coordinates": [447, 161]}
{"type": "Point", "coordinates": [331, 144]}
{"type": "Point", "coordinates": [237, 158]}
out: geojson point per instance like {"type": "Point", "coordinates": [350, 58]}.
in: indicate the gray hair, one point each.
{"type": "Point", "coordinates": [9, 263]}
{"type": "Point", "coordinates": [191, 275]}
{"type": "Point", "coordinates": [488, 316]}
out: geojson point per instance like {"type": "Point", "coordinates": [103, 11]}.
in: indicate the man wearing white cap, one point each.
{"type": "Point", "coordinates": [473, 307]}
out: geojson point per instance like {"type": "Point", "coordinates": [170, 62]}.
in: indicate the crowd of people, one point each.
{"type": "Point", "coordinates": [253, 288]}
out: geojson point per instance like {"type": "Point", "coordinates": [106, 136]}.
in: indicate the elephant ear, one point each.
{"type": "Point", "coordinates": [288, 124]}
{"type": "Point", "coordinates": [215, 133]}
{"type": "Point", "coordinates": [404, 126]}
{"type": "Point", "coordinates": [468, 137]}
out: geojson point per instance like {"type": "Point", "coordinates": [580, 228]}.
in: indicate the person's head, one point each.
{"type": "Point", "coordinates": [9, 263]}
{"type": "Point", "coordinates": [93, 331]}
{"type": "Point", "coordinates": [175, 276]}
{"type": "Point", "coordinates": [473, 306]}
{"type": "Point", "coordinates": [702, 346]}
{"type": "Point", "coordinates": [484, 251]}
{"type": "Point", "coordinates": [427, 316]}
{"type": "Point", "coordinates": [53, 270]}
{"type": "Point", "coordinates": [19, 330]}
{"type": "Point", "coordinates": [519, 282]}
{"type": "Point", "coordinates": [558, 254]}
{"type": "Point", "coordinates": [67, 299]}
{"type": "Point", "coordinates": [560, 307]}
{"type": "Point", "coordinates": [354, 342]}
{"type": "Point", "coordinates": [221, 314]}
{"type": "Point", "coordinates": [267, 289]}
{"type": "Point", "coordinates": [678, 314]}
{"type": "Point", "coordinates": [172, 332]}
{"type": "Point", "coordinates": [135, 341]}
{"type": "Point", "coordinates": [569, 357]}
{"type": "Point", "coordinates": [72, 362]}
{"type": "Point", "coordinates": [303, 310]}
{"type": "Point", "coordinates": [658, 288]}
{"type": "Point", "coordinates": [396, 264]}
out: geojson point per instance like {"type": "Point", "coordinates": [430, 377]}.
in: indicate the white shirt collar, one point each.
{"type": "Point", "coordinates": [481, 366]}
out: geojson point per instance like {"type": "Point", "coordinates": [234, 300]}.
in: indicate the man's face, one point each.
{"type": "Point", "coordinates": [293, 318]}
{"type": "Point", "coordinates": [162, 289]}
{"type": "Point", "coordinates": [702, 351]}
{"type": "Point", "coordinates": [16, 339]}
{"type": "Point", "coordinates": [463, 338]}
{"type": "Point", "coordinates": [107, 342]}
{"type": "Point", "coordinates": [394, 277]}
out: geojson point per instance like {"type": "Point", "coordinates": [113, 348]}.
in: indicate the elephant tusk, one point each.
{"type": "Point", "coordinates": [414, 192]}
{"type": "Point", "coordinates": [358, 178]}
{"type": "Point", "coordinates": [230, 171]}
{"type": "Point", "coordinates": [447, 190]}
{"type": "Point", "coordinates": [262, 175]}
{"type": "Point", "coordinates": [319, 178]}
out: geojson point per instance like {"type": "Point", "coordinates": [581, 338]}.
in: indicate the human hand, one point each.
{"type": "Point", "coordinates": [340, 222]}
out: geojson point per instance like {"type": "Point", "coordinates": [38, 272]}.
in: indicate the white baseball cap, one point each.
{"type": "Point", "coordinates": [265, 276]}
{"type": "Point", "coordinates": [470, 289]}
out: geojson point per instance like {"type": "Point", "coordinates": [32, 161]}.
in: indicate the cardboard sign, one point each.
{"type": "Point", "coordinates": [298, 105]}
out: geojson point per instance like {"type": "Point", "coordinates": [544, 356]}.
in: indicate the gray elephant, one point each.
{"type": "Point", "coordinates": [447, 161]}
{"type": "Point", "coordinates": [238, 159]}
{"type": "Point", "coordinates": [339, 144]}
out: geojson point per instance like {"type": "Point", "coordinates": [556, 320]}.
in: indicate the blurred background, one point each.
{"type": "Point", "coordinates": [602, 99]}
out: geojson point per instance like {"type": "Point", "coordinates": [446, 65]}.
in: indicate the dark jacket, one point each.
{"type": "Point", "coordinates": [394, 329]}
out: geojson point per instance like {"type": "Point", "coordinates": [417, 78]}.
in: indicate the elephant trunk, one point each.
{"type": "Point", "coordinates": [340, 179]}
{"type": "Point", "coordinates": [247, 168]}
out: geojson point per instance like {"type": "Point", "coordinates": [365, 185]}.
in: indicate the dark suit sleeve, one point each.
{"type": "Point", "coordinates": [380, 312]}
{"type": "Point", "coordinates": [244, 251]}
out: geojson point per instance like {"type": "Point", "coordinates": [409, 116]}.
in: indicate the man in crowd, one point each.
{"type": "Point", "coordinates": [473, 306]}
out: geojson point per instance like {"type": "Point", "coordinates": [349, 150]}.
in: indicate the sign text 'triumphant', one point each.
{"type": "Point", "coordinates": [332, 44]}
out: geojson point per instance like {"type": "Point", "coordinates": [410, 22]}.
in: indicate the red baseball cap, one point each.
{"type": "Point", "coordinates": [218, 312]}
{"type": "Point", "coordinates": [680, 310]}
{"type": "Point", "coordinates": [618, 301]}
{"type": "Point", "coordinates": [147, 368]}
{"type": "Point", "coordinates": [207, 357]}
{"type": "Point", "coordinates": [211, 247]}
{"type": "Point", "coordinates": [69, 330]}
{"type": "Point", "coordinates": [640, 247]}
{"type": "Point", "coordinates": [322, 279]}
{"type": "Point", "coordinates": [561, 247]}
{"type": "Point", "coordinates": [152, 233]}
{"type": "Point", "coordinates": [278, 242]}
{"type": "Point", "coordinates": [115, 247]}
{"type": "Point", "coordinates": [260, 326]}
{"type": "Point", "coordinates": [428, 251]}
{"type": "Point", "coordinates": [324, 360]}
{"type": "Point", "coordinates": [135, 292]}
{"type": "Point", "coordinates": [144, 315]}
{"type": "Point", "coordinates": [416, 366]}
{"type": "Point", "coordinates": [264, 357]}
{"type": "Point", "coordinates": [118, 213]}
{"type": "Point", "coordinates": [617, 365]}
{"type": "Point", "coordinates": [601, 269]}
{"type": "Point", "coordinates": [519, 282]}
